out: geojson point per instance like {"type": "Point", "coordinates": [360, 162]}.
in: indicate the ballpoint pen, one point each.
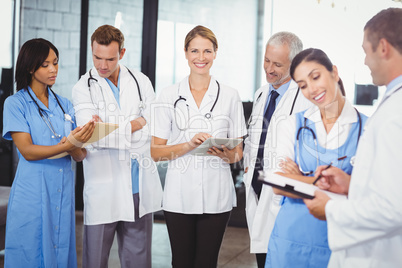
{"type": "Point", "coordinates": [319, 176]}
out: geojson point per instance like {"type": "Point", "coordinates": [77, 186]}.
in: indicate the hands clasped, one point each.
{"type": "Point", "coordinates": [289, 166]}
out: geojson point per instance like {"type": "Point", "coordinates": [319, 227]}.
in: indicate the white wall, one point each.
{"type": "Point", "coordinates": [335, 26]}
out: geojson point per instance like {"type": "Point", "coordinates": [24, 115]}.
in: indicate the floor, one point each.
{"type": "Point", "coordinates": [234, 252]}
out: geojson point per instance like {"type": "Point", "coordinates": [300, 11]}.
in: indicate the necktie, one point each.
{"type": "Point", "coordinates": [257, 185]}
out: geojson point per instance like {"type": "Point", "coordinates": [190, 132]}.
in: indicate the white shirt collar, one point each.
{"type": "Point", "coordinates": [348, 114]}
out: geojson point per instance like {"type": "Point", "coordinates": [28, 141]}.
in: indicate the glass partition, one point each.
{"type": "Point", "coordinates": [125, 15]}
{"type": "Point", "coordinates": [234, 23]}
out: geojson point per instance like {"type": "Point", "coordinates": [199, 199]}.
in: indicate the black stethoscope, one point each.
{"type": "Point", "coordinates": [181, 98]}
{"type": "Point", "coordinates": [47, 121]}
{"type": "Point", "coordinates": [252, 122]}
{"type": "Point", "coordinates": [306, 173]}
{"type": "Point", "coordinates": [141, 106]}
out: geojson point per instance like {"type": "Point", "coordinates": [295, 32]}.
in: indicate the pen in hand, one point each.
{"type": "Point", "coordinates": [319, 176]}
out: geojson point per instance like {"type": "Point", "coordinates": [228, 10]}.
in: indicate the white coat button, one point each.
{"type": "Point", "coordinates": [112, 107]}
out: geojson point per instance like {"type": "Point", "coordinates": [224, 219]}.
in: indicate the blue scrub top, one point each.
{"type": "Point", "coordinates": [40, 230]}
{"type": "Point", "coordinates": [298, 239]}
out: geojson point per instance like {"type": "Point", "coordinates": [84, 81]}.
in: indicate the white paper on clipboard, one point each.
{"type": "Point", "coordinates": [202, 150]}
{"type": "Point", "coordinates": [302, 189]}
{"type": "Point", "coordinates": [101, 130]}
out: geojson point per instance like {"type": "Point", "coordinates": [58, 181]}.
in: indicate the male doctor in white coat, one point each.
{"type": "Point", "coordinates": [279, 98]}
{"type": "Point", "coordinates": [366, 229]}
{"type": "Point", "coordinates": [122, 186]}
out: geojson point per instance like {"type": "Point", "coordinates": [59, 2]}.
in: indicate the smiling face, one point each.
{"type": "Point", "coordinates": [317, 84]}
{"type": "Point", "coordinates": [106, 58]}
{"type": "Point", "coordinates": [277, 64]}
{"type": "Point", "coordinates": [46, 74]}
{"type": "Point", "coordinates": [200, 55]}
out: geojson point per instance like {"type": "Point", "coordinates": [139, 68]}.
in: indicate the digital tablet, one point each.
{"type": "Point", "coordinates": [230, 143]}
{"type": "Point", "coordinates": [101, 130]}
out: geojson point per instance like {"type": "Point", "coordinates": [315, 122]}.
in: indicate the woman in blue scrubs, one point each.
{"type": "Point", "coordinates": [40, 230]}
{"type": "Point", "coordinates": [298, 239]}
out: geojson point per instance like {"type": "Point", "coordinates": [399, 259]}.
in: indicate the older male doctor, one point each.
{"type": "Point", "coordinates": [272, 103]}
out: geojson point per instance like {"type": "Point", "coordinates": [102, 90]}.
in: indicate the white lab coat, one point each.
{"type": "Point", "coordinates": [108, 193]}
{"type": "Point", "coordinates": [198, 184]}
{"type": "Point", "coordinates": [366, 230]}
{"type": "Point", "coordinates": [261, 214]}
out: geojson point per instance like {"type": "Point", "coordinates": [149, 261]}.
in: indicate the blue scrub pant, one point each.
{"type": "Point", "coordinates": [134, 242]}
{"type": "Point", "coordinates": [195, 239]}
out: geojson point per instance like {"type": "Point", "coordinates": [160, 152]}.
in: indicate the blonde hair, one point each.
{"type": "Point", "coordinates": [203, 32]}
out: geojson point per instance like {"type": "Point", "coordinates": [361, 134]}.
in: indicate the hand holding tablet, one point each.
{"type": "Point", "coordinates": [202, 150]}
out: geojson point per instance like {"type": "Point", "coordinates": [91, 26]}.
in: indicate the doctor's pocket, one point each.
{"type": "Point", "coordinates": [98, 167]}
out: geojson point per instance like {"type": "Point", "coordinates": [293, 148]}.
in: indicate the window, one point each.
{"type": "Point", "coordinates": [234, 23]}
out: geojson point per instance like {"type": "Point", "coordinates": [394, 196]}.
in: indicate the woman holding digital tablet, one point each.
{"type": "Point", "coordinates": [199, 192]}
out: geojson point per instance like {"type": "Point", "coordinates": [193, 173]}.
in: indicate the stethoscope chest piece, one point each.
{"type": "Point", "coordinates": [352, 160]}
{"type": "Point", "coordinates": [68, 117]}
{"type": "Point", "coordinates": [142, 105]}
{"type": "Point", "coordinates": [208, 115]}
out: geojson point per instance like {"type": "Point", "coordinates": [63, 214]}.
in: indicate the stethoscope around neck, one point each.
{"type": "Point", "coordinates": [181, 98]}
{"type": "Point", "coordinates": [94, 80]}
{"type": "Point", "coordinates": [47, 121]}
{"type": "Point", "coordinates": [252, 120]}
{"type": "Point", "coordinates": [307, 173]}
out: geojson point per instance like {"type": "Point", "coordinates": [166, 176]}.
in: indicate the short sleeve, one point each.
{"type": "Point", "coordinates": [238, 128]}
{"type": "Point", "coordinates": [149, 97]}
{"type": "Point", "coordinates": [14, 118]}
{"type": "Point", "coordinates": [161, 122]}
{"type": "Point", "coordinates": [282, 141]}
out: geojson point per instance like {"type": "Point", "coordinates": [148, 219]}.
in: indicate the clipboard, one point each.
{"type": "Point", "coordinates": [101, 130]}
{"type": "Point", "coordinates": [202, 150]}
{"type": "Point", "coordinates": [299, 188]}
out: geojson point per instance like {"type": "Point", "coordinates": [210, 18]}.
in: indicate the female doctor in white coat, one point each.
{"type": "Point", "coordinates": [199, 192]}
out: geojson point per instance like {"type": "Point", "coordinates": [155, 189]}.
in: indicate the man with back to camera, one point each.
{"type": "Point", "coordinates": [366, 229]}
{"type": "Point", "coordinates": [122, 186]}
{"type": "Point", "coordinates": [272, 103]}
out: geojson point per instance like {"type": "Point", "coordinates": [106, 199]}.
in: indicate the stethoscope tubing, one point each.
{"type": "Point", "coordinates": [315, 137]}
{"type": "Point", "coordinates": [48, 122]}
{"type": "Point", "coordinates": [103, 96]}
{"type": "Point", "coordinates": [207, 115]}
{"type": "Point", "coordinates": [258, 99]}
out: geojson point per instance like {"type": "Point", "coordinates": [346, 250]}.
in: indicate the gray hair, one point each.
{"type": "Point", "coordinates": [294, 42]}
